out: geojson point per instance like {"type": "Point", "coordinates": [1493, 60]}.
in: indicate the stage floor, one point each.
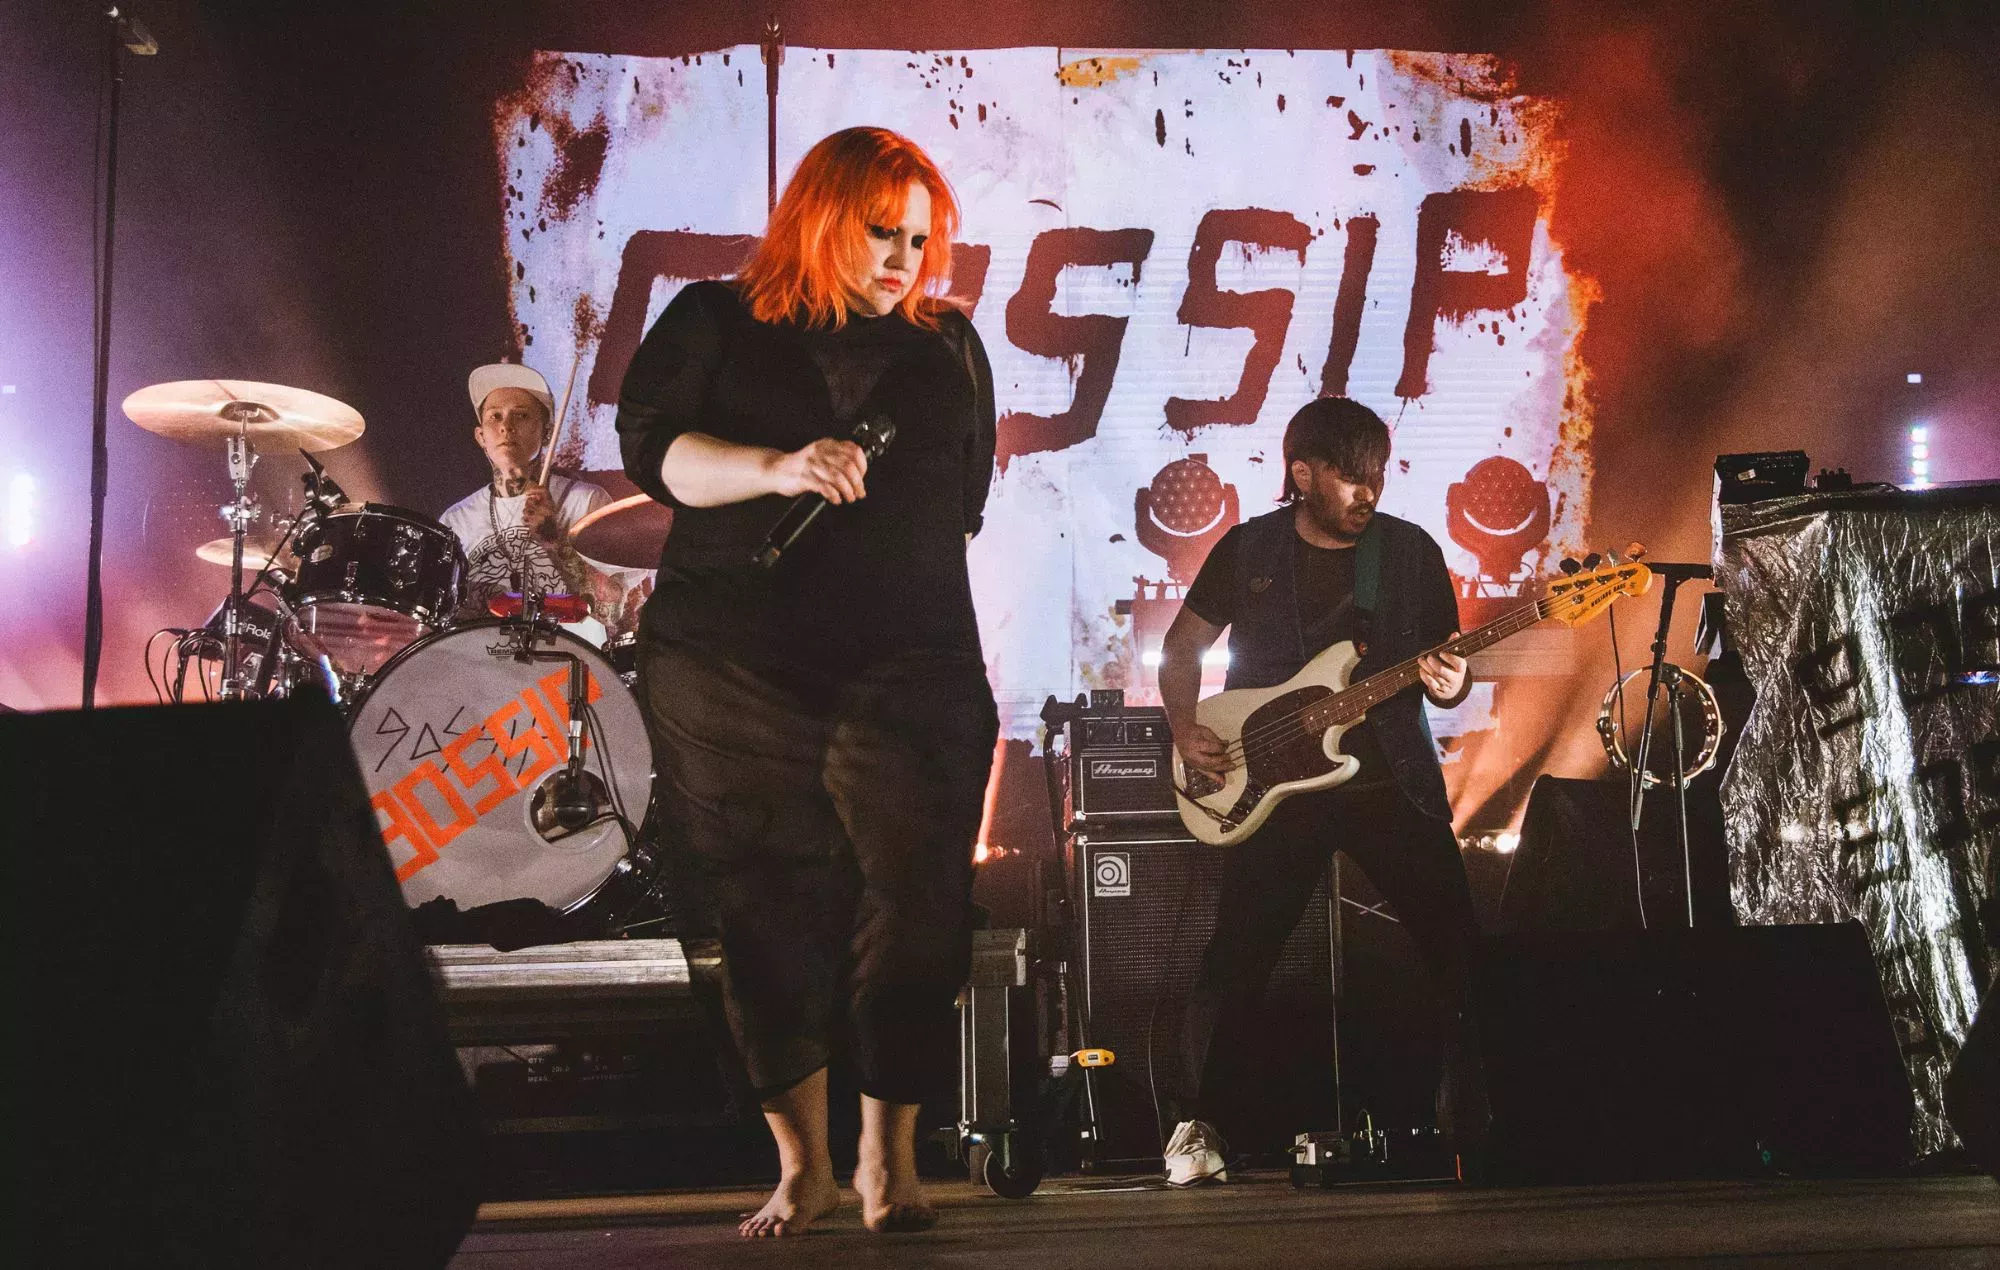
{"type": "Point", "coordinates": [1261, 1221]}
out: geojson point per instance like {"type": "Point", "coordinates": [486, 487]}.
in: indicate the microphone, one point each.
{"type": "Point", "coordinates": [873, 435]}
{"type": "Point", "coordinates": [321, 490]}
{"type": "Point", "coordinates": [133, 34]}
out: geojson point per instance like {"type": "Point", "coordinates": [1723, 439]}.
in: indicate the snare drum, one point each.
{"type": "Point", "coordinates": [459, 743]}
{"type": "Point", "coordinates": [371, 580]}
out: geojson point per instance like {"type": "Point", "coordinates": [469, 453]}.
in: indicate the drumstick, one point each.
{"type": "Point", "coordinates": [549, 454]}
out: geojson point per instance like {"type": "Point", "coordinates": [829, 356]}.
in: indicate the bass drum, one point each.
{"type": "Point", "coordinates": [461, 745]}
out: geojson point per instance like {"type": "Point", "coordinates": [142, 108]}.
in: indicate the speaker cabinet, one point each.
{"type": "Point", "coordinates": [1972, 1091]}
{"type": "Point", "coordinates": [1621, 1056]}
{"type": "Point", "coordinates": [1143, 908]}
{"type": "Point", "coordinates": [234, 1052]}
{"type": "Point", "coordinates": [1576, 867]}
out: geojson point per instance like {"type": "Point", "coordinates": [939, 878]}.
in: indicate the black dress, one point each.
{"type": "Point", "coordinates": [823, 730]}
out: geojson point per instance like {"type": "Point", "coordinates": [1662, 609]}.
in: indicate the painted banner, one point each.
{"type": "Point", "coordinates": [1166, 253]}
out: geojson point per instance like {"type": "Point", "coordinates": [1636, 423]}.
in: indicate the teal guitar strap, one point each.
{"type": "Point", "coordinates": [1368, 568]}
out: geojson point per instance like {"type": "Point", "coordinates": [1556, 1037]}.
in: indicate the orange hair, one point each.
{"type": "Point", "coordinates": [817, 237]}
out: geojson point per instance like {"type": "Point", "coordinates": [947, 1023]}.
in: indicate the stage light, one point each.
{"type": "Point", "coordinates": [1913, 378]}
{"type": "Point", "coordinates": [1213, 657]}
{"type": "Point", "coordinates": [1920, 455]}
{"type": "Point", "coordinates": [20, 512]}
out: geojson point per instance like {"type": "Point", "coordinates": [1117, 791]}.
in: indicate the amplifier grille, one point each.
{"type": "Point", "coordinates": [1127, 896]}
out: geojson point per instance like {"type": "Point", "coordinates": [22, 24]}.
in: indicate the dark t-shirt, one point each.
{"type": "Point", "coordinates": [1324, 579]}
{"type": "Point", "coordinates": [1324, 582]}
{"type": "Point", "coordinates": [879, 577]}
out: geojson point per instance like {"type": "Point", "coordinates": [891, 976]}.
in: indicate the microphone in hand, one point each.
{"type": "Point", "coordinates": [873, 435]}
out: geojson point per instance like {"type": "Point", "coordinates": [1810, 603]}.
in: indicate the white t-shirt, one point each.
{"type": "Point", "coordinates": [497, 543]}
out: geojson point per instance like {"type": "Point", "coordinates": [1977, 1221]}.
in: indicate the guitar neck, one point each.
{"type": "Point", "coordinates": [1357, 699]}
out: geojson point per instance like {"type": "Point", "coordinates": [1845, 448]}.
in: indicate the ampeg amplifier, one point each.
{"type": "Point", "coordinates": [1113, 763]}
{"type": "Point", "coordinates": [1143, 907]}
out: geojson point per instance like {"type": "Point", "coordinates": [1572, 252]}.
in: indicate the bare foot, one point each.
{"type": "Point", "coordinates": [892, 1200]}
{"type": "Point", "coordinates": [798, 1202]}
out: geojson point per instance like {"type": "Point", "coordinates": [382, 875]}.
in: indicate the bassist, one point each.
{"type": "Point", "coordinates": [1325, 566]}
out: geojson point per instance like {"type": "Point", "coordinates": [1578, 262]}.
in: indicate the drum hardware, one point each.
{"type": "Point", "coordinates": [261, 553]}
{"type": "Point", "coordinates": [572, 799]}
{"type": "Point", "coordinates": [238, 515]}
{"type": "Point", "coordinates": [235, 412]}
{"type": "Point", "coordinates": [308, 649]}
{"type": "Point", "coordinates": [622, 651]}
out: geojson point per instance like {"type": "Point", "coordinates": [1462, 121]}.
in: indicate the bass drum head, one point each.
{"type": "Point", "coordinates": [458, 744]}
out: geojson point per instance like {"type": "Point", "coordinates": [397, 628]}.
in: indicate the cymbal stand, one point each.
{"type": "Point", "coordinates": [239, 514]}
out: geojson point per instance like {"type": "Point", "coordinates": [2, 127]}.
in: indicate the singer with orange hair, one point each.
{"type": "Point", "coordinates": [822, 728]}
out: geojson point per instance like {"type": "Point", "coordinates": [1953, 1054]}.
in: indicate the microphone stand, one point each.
{"type": "Point", "coordinates": [121, 34]}
{"type": "Point", "coordinates": [568, 795]}
{"type": "Point", "coordinates": [1665, 673]}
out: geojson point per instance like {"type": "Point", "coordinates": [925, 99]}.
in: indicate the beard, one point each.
{"type": "Point", "coordinates": [1345, 522]}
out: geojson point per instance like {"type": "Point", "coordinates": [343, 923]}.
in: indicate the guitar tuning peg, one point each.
{"type": "Point", "coordinates": [1592, 560]}
{"type": "Point", "coordinates": [1569, 565]}
{"type": "Point", "coordinates": [1635, 551]}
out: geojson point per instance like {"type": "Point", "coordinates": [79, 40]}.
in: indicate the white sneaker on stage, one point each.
{"type": "Point", "coordinates": [1194, 1155]}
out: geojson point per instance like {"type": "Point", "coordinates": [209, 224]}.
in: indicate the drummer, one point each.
{"type": "Point", "coordinates": [515, 531]}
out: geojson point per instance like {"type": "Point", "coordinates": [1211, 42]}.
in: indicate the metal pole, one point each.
{"type": "Point", "coordinates": [100, 453]}
{"type": "Point", "coordinates": [774, 57]}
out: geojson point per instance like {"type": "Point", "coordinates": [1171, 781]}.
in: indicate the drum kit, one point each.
{"type": "Point", "coordinates": [506, 758]}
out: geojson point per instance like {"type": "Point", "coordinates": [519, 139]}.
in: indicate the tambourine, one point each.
{"type": "Point", "coordinates": [1711, 725]}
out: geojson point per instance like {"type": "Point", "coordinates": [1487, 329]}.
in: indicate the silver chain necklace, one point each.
{"type": "Point", "coordinates": [517, 565]}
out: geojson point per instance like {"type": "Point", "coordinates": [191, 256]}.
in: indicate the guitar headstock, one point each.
{"type": "Point", "coordinates": [1588, 588]}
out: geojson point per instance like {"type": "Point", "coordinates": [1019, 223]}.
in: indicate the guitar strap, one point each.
{"type": "Point", "coordinates": [1368, 585]}
{"type": "Point", "coordinates": [1367, 577]}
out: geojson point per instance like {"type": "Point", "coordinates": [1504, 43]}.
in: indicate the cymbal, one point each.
{"type": "Point", "coordinates": [256, 553]}
{"type": "Point", "coordinates": [216, 409]}
{"type": "Point", "coordinates": [627, 534]}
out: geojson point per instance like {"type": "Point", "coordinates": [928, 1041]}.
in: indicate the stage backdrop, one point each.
{"type": "Point", "coordinates": [1166, 253]}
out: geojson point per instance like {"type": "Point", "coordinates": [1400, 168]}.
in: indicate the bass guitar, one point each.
{"type": "Point", "coordinates": [1285, 740]}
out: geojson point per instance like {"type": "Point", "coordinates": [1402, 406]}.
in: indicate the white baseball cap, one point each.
{"type": "Point", "coordinates": [483, 381]}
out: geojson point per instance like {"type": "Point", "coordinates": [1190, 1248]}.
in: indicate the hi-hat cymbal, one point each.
{"type": "Point", "coordinates": [256, 553]}
{"type": "Point", "coordinates": [627, 534]}
{"type": "Point", "coordinates": [216, 409]}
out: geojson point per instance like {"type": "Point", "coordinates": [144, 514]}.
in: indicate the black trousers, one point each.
{"type": "Point", "coordinates": [826, 830]}
{"type": "Point", "coordinates": [1411, 858]}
